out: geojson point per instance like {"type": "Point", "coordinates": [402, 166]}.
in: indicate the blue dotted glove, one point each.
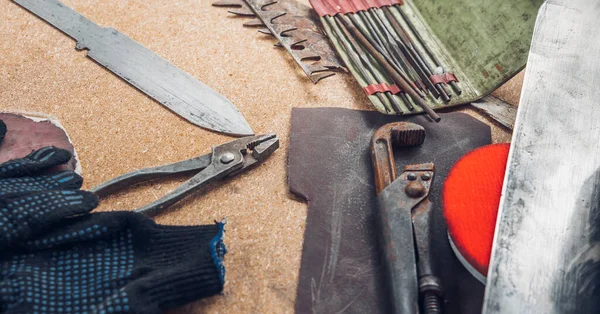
{"type": "Point", "coordinates": [29, 204]}
{"type": "Point", "coordinates": [57, 257]}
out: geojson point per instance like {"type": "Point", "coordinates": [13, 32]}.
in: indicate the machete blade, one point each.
{"type": "Point", "coordinates": [142, 68]}
{"type": "Point", "coordinates": [546, 251]}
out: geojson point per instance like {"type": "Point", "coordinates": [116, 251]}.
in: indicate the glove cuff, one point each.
{"type": "Point", "coordinates": [187, 244]}
{"type": "Point", "coordinates": [184, 264]}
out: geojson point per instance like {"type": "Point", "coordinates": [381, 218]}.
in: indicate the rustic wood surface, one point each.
{"type": "Point", "coordinates": [117, 129]}
{"type": "Point", "coordinates": [501, 111]}
{"type": "Point", "coordinates": [544, 250]}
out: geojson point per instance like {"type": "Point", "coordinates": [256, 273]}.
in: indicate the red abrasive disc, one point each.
{"type": "Point", "coordinates": [471, 196]}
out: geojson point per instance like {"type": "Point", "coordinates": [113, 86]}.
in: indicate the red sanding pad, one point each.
{"type": "Point", "coordinates": [471, 196]}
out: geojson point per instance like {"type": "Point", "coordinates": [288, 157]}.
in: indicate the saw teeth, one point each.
{"type": "Point", "coordinates": [265, 31]}
{"type": "Point", "coordinates": [316, 68]}
{"type": "Point", "coordinates": [267, 4]}
{"type": "Point", "coordinates": [254, 23]}
{"type": "Point", "coordinates": [295, 27]}
{"type": "Point", "coordinates": [230, 3]}
{"type": "Point", "coordinates": [308, 56]}
{"type": "Point", "coordinates": [285, 33]}
{"type": "Point", "coordinates": [316, 77]}
{"type": "Point", "coordinates": [242, 11]}
{"type": "Point", "coordinates": [332, 66]}
{"type": "Point", "coordinates": [272, 15]}
{"type": "Point", "coordinates": [298, 42]}
{"type": "Point", "coordinates": [297, 47]}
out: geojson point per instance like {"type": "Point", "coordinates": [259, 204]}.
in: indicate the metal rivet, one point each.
{"type": "Point", "coordinates": [426, 177]}
{"type": "Point", "coordinates": [415, 189]}
{"type": "Point", "coordinates": [411, 176]}
{"type": "Point", "coordinates": [227, 158]}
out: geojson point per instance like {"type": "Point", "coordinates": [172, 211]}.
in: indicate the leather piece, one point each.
{"type": "Point", "coordinates": [25, 135]}
{"type": "Point", "coordinates": [330, 167]}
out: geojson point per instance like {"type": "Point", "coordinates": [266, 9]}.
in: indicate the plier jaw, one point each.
{"type": "Point", "coordinates": [245, 151]}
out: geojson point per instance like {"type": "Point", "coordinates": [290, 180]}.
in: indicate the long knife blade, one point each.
{"type": "Point", "coordinates": [145, 70]}
{"type": "Point", "coordinates": [546, 253]}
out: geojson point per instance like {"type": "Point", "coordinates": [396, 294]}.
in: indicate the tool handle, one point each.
{"type": "Point", "coordinates": [422, 222]}
{"type": "Point", "coordinates": [210, 174]}
{"type": "Point", "coordinates": [430, 286]}
{"type": "Point", "coordinates": [397, 244]}
{"type": "Point", "coordinates": [139, 176]}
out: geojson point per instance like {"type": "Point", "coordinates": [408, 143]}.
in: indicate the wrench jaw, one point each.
{"type": "Point", "coordinates": [425, 167]}
{"type": "Point", "coordinates": [407, 135]}
{"type": "Point", "coordinates": [398, 134]}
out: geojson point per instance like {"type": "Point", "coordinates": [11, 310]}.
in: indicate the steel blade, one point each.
{"type": "Point", "coordinates": [546, 252]}
{"type": "Point", "coordinates": [142, 68]}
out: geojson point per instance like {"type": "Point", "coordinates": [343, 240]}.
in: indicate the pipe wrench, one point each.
{"type": "Point", "coordinates": [404, 220]}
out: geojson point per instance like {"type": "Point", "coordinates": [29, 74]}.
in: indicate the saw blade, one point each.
{"type": "Point", "coordinates": [546, 251]}
{"type": "Point", "coordinates": [142, 68]}
{"type": "Point", "coordinates": [294, 25]}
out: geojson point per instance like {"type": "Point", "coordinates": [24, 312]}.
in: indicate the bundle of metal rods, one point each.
{"type": "Point", "coordinates": [376, 38]}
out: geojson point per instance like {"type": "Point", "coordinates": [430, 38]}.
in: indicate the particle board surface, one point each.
{"type": "Point", "coordinates": [117, 129]}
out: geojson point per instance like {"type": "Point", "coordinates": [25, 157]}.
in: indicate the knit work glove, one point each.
{"type": "Point", "coordinates": [56, 257]}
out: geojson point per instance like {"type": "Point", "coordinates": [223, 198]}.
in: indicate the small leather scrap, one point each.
{"type": "Point", "coordinates": [26, 133]}
{"type": "Point", "coordinates": [330, 166]}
